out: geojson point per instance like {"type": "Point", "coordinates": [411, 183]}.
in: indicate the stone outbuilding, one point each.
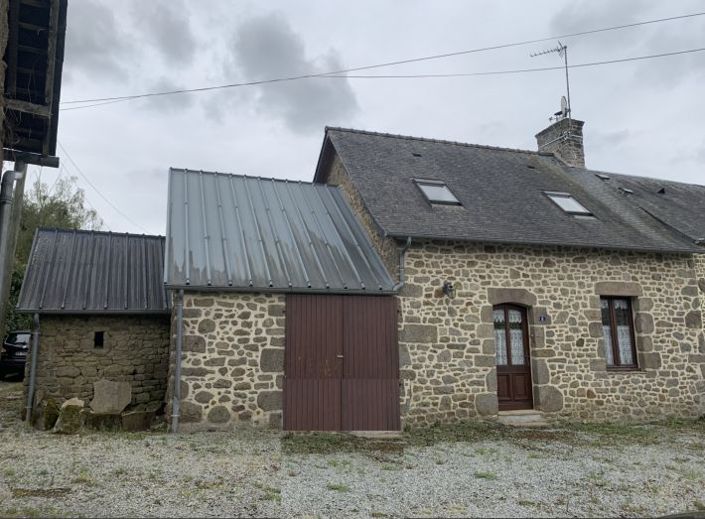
{"type": "Point", "coordinates": [286, 310]}
{"type": "Point", "coordinates": [101, 312]}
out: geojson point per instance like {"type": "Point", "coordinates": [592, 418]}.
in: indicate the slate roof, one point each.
{"type": "Point", "coordinates": [91, 272]}
{"type": "Point", "coordinates": [232, 232]}
{"type": "Point", "coordinates": [677, 205]}
{"type": "Point", "coordinates": [502, 192]}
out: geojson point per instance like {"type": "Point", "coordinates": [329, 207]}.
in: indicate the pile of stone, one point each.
{"type": "Point", "coordinates": [108, 411]}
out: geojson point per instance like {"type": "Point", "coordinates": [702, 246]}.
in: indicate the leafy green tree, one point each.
{"type": "Point", "coordinates": [61, 205]}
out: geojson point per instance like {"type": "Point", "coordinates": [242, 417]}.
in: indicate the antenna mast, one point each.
{"type": "Point", "coordinates": [562, 51]}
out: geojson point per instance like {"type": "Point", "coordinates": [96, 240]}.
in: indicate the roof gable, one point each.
{"type": "Point", "coordinates": [235, 232]}
{"type": "Point", "coordinates": [502, 192]}
{"type": "Point", "coordinates": [91, 272]}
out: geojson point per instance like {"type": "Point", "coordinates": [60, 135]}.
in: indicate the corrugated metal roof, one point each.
{"type": "Point", "coordinates": [245, 233]}
{"type": "Point", "coordinates": [71, 271]}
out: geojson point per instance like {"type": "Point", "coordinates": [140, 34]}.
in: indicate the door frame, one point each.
{"type": "Point", "coordinates": [525, 313]}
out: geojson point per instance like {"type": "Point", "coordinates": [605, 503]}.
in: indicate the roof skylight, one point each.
{"type": "Point", "coordinates": [569, 204]}
{"type": "Point", "coordinates": [437, 192]}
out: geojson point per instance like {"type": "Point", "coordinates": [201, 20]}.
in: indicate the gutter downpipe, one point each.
{"type": "Point", "coordinates": [177, 361]}
{"type": "Point", "coordinates": [32, 370]}
{"type": "Point", "coordinates": [402, 261]}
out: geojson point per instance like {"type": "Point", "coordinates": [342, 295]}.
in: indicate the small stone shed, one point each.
{"type": "Point", "coordinates": [288, 316]}
{"type": "Point", "coordinates": [103, 313]}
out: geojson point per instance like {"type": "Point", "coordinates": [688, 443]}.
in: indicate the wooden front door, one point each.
{"type": "Point", "coordinates": [341, 364]}
{"type": "Point", "coordinates": [513, 365]}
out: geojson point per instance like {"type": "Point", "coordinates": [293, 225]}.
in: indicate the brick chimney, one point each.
{"type": "Point", "coordinates": [564, 138]}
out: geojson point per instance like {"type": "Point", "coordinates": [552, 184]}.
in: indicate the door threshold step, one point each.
{"type": "Point", "coordinates": [522, 418]}
{"type": "Point", "coordinates": [377, 435]}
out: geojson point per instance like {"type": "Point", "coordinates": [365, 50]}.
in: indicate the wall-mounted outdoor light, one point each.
{"type": "Point", "coordinates": [448, 288]}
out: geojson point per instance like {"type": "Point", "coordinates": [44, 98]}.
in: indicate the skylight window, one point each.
{"type": "Point", "coordinates": [569, 204]}
{"type": "Point", "coordinates": [437, 192]}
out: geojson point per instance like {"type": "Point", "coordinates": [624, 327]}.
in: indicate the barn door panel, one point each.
{"type": "Point", "coordinates": [313, 363]}
{"type": "Point", "coordinates": [370, 383]}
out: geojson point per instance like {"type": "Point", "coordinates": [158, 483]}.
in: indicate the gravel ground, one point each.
{"type": "Point", "coordinates": [649, 471]}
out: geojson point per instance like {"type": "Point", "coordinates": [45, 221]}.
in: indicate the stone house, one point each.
{"type": "Point", "coordinates": [102, 312]}
{"type": "Point", "coordinates": [418, 281]}
{"type": "Point", "coordinates": [532, 283]}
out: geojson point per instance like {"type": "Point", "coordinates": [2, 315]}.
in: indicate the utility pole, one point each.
{"type": "Point", "coordinates": [11, 200]}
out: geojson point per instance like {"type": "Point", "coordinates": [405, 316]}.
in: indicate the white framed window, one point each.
{"type": "Point", "coordinates": [437, 192]}
{"type": "Point", "coordinates": [568, 203]}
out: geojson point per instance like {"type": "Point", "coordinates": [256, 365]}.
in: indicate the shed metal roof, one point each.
{"type": "Point", "coordinates": [91, 272]}
{"type": "Point", "coordinates": [502, 191]}
{"type": "Point", "coordinates": [245, 233]}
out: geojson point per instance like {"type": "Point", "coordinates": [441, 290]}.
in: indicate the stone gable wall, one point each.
{"type": "Point", "coordinates": [386, 247]}
{"type": "Point", "coordinates": [448, 348]}
{"type": "Point", "coordinates": [233, 360]}
{"type": "Point", "coordinates": [136, 349]}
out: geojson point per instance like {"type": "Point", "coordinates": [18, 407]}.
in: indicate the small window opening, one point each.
{"type": "Point", "coordinates": [415, 154]}
{"type": "Point", "coordinates": [98, 338]}
{"type": "Point", "coordinates": [437, 192]}
{"type": "Point", "coordinates": [602, 176]}
{"type": "Point", "coordinates": [626, 190]}
{"type": "Point", "coordinates": [569, 204]}
{"type": "Point", "coordinates": [662, 191]}
{"type": "Point", "coordinates": [618, 331]}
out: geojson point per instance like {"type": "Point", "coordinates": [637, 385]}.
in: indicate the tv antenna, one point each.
{"type": "Point", "coordinates": [562, 51]}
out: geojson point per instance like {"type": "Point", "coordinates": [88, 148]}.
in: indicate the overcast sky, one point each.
{"type": "Point", "coordinates": [642, 118]}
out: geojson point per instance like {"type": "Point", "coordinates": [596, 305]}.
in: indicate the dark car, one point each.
{"type": "Point", "coordinates": [14, 353]}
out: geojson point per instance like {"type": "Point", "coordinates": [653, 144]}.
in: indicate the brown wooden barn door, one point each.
{"type": "Point", "coordinates": [513, 365]}
{"type": "Point", "coordinates": [341, 364]}
{"type": "Point", "coordinates": [313, 363]}
{"type": "Point", "coordinates": [370, 364]}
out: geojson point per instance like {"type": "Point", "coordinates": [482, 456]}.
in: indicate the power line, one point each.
{"type": "Point", "coordinates": [519, 71]}
{"type": "Point", "coordinates": [378, 65]}
{"type": "Point", "coordinates": [80, 172]}
{"type": "Point", "coordinates": [471, 74]}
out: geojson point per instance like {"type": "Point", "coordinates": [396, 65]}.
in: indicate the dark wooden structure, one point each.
{"type": "Point", "coordinates": [341, 364]}
{"type": "Point", "coordinates": [34, 57]}
{"type": "Point", "coordinates": [513, 363]}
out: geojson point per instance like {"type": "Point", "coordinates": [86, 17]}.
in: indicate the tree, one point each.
{"type": "Point", "coordinates": [63, 206]}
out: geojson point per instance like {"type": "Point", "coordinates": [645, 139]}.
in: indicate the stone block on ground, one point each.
{"type": "Point", "coordinates": [110, 397]}
{"type": "Point", "coordinates": [46, 414]}
{"type": "Point", "coordinates": [133, 421]}
{"type": "Point", "coordinates": [70, 418]}
{"type": "Point", "coordinates": [102, 422]}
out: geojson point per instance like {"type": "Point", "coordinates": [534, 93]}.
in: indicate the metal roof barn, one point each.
{"type": "Point", "coordinates": [252, 234]}
{"type": "Point", "coordinates": [89, 272]}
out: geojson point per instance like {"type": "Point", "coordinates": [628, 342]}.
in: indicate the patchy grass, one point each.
{"type": "Point", "coordinates": [338, 487]}
{"type": "Point", "coordinates": [269, 493]}
{"type": "Point", "coordinates": [490, 476]}
{"type": "Point", "coordinates": [331, 443]}
{"type": "Point", "coordinates": [27, 512]}
{"type": "Point", "coordinates": [40, 492]}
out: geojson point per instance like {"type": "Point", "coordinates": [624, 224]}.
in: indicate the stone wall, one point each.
{"type": "Point", "coordinates": [448, 349]}
{"type": "Point", "coordinates": [135, 349]}
{"type": "Point", "coordinates": [233, 360]}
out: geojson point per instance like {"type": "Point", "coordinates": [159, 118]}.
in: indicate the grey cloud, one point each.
{"type": "Point", "coordinates": [94, 43]}
{"type": "Point", "coordinates": [165, 24]}
{"type": "Point", "coordinates": [656, 38]}
{"type": "Point", "coordinates": [266, 47]}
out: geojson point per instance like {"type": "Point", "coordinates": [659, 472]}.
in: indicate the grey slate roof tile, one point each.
{"type": "Point", "coordinates": [246, 233]}
{"type": "Point", "coordinates": [502, 192]}
{"type": "Point", "coordinates": [91, 272]}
